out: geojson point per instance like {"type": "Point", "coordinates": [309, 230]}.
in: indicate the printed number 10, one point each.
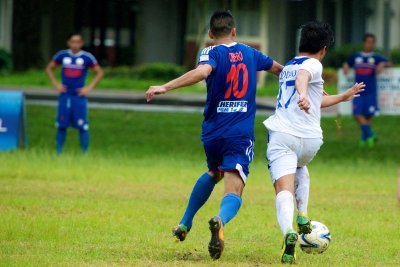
{"type": "Point", "coordinates": [233, 79]}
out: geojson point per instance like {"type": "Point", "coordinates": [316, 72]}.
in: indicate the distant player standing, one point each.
{"type": "Point", "coordinates": [229, 69]}
{"type": "Point", "coordinates": [294, 131]}
{"type": "Point", "coordinates": [72, 101]}
{"type": "Point", "coordinates": [367, 65]}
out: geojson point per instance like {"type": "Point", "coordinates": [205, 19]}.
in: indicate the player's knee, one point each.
{"type": "Point", "coordinates": [234, 183]}
{"type": "Point", "coordinates": [82, 125]}
{"type": "Point", "coordinates": [217, 176]}
{"type": "Point", "coordinates": [61, 128]}
{"type": "Point", "coordinates": [285, 183]}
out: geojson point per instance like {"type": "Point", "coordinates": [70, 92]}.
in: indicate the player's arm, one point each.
{"type": "Point", "coordinates": [194, 76]}
{"type": "Point", "coordinates": [301, 83]}
{"type": "Point", "coordinates": [276, 68]}
{"type": "Point", "coordinates": [60, 88]}
{"type": "Point", "coordinates": [349, 94]}
{"type": "Point", "coordinates": [99, 73]}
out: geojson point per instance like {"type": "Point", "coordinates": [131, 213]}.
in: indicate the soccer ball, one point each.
{"type": "Point", "coordinates": [317, 241]}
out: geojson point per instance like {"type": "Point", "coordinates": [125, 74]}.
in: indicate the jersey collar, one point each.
{"type": "Point", "coordinates": [75, 55]}
{"type": "Point", "coordinates": [229, 45]}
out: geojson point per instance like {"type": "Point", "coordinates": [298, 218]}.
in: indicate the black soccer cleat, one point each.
{"type": "Point", "coordinates": [216, 245]}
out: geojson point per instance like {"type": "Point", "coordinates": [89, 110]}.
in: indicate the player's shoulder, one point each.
{"type": "Point", "coordinates": [62, 53]}
{"type": "Point", "coordinates": [304, 61]}
{"type": "Point", "coordinates": [207, 50]}
{"type": "Point", "coordinates": [88, 55]}
{"type": "Point", "coordinates": [378, 55]}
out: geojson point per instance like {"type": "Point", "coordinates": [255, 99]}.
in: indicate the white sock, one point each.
{"type": "Point", "coordinates": [302, 189]}
{"type": "Point", "coordinates": [284, 210]}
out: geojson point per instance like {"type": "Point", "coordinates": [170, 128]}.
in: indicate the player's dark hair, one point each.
{"type": "Point", "coordinates": [221, 23]}
{"type": "Point", "coordinates": [69, 36]}
{"type": "Point", "coordinates": [315, 36]}
{"type": "Point", "coordinates": [369, 35]}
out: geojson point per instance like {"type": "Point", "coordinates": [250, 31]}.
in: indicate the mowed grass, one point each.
{"type": "Point", "coordinates": [37, 78]}
{"type": "Point", "coordinates": [117, 205]}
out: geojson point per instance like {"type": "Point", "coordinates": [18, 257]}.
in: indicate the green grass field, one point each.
{"type": "Point", "coordinates": [38, 78]}
{"type": "Point", "coordinates": [117, 205]}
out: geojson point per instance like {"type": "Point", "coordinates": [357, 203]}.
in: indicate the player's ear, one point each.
{"type": "Point", "coordinates": [210, 34]}
{"type": "Point", "coordinates": [233, 32]}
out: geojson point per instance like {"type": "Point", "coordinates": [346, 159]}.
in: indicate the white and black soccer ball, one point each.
{"type": "Point", "coordinates": [317, 241]}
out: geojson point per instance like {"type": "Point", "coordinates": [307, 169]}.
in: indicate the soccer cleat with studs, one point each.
{"type": "Point", "coordinates": [216, 245]}
{"type": "Point", "coordinates": [303, 224]}
{"type": "Point", "coordinates": [288, 253]}
{"type": "Point", "coordinates": [180, 232]}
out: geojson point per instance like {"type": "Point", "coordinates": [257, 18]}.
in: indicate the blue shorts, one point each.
{"type": "Point", "coordinates": [230, 154]}
{"type": "Point", "coordinates": [72, 110]}
{"type": "Point", "coordinates": [365, 104]}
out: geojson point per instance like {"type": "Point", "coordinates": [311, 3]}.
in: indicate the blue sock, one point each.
{"type": "Point", "coordinates": [84, 140]}
{"type": "Point", "coordinates": [230, 206]}
{"type": "Point", "coordinates": [200, 193]}
{"type": "Point", "coordinates": [60, 139]}
{"type": "Point", "coordinates": [366, 132]}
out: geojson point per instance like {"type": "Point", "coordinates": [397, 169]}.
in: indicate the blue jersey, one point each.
{"type": "Point", "coordinates": [364, 65]}
{"type": "Point", "coordinates": [74, 68]}
{"type": "Point", "coordinates": [231, 90]}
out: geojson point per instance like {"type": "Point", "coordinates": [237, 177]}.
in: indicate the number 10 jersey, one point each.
{"type": "Point", "coordinates": [231, 90]}
{"type": "Point", "coordinates": [288, 118]}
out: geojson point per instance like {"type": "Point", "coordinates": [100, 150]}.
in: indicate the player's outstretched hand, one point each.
{"type": "Point", "coordinates": [60, 88]}
{"type": "Point", "coordinates": [353, 92]}
{"type": "Point", "coordinates": [155, 90]}
{"type": "Point", "coordinates": [84, 91]}
{"type": "Point", "coordinates": [304, 103]}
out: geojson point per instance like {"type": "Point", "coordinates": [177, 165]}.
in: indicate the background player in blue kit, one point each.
{"type": "Point", "coordinates": [367, 64]}
{"type": "Point", "coordinates": [72, 101]}
{"type": "Point", "coordinates": [230, 71]}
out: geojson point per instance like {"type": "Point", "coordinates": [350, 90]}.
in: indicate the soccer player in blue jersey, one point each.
{"type": "Point", "coordinates": [72, 101]}
{"type": "Point", "coordinates": [367, 64]}
{"type": "Point", "coordinates": [229, 69]}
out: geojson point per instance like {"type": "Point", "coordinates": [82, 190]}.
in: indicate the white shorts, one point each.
{"type": "Point", "coordinates": [286, 153]}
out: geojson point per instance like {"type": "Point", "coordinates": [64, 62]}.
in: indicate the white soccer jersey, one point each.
{"type": "Point", "coordinates": [288, 117]}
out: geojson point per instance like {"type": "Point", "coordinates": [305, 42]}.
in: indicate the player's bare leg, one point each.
{"type": "Point", "coordinates": [230, 205]}
{"type": "Point", "coordinates": [284, 188]}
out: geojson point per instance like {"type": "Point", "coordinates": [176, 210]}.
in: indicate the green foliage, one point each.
{"type": "Point", "coordinates": [153, 71]}
{"type": "Point", "coordinates": [395, 56]}
{"type": "Point", "coordinates": [116, 205]}
{"type": "Point", "coordinates": [6, 62]}
{"type": "Point", "coordinates": [337, 56]}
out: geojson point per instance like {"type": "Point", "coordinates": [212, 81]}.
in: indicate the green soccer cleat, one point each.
{"type": "Point", "coordinates": [303, 224]}
{"type": "Point", "coordinates": [180, 232]}
{"type": "Point", "coordinates": [216, 245]}
{"type": "Point", "coordinates": [288, 254]}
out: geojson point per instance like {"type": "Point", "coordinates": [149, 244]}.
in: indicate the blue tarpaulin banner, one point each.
{"type": "Point", "coordinates": [12, 120]}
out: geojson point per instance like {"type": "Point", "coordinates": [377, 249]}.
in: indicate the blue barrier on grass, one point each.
{"type": "Point", "coordinates": [12, 120]}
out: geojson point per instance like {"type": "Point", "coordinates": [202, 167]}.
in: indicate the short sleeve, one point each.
{"type": "Point", "coordinates": [208, 56]}
{"type": "Point", "coordinates": [90, 60]}
{"type": "Point", "coordinates": [58, 58]}
{"type": "Point", "coordinates": [314, 67]}
{"type": "Point", "coordinates": [351, 60]}
{"type": "Point", "coordinates": [263, 62]}
{"type": "Point", "coordinates": [379, 59]}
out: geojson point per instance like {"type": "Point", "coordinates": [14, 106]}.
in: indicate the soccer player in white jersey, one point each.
{"type": "Point", "coordinates": [295, 135]}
